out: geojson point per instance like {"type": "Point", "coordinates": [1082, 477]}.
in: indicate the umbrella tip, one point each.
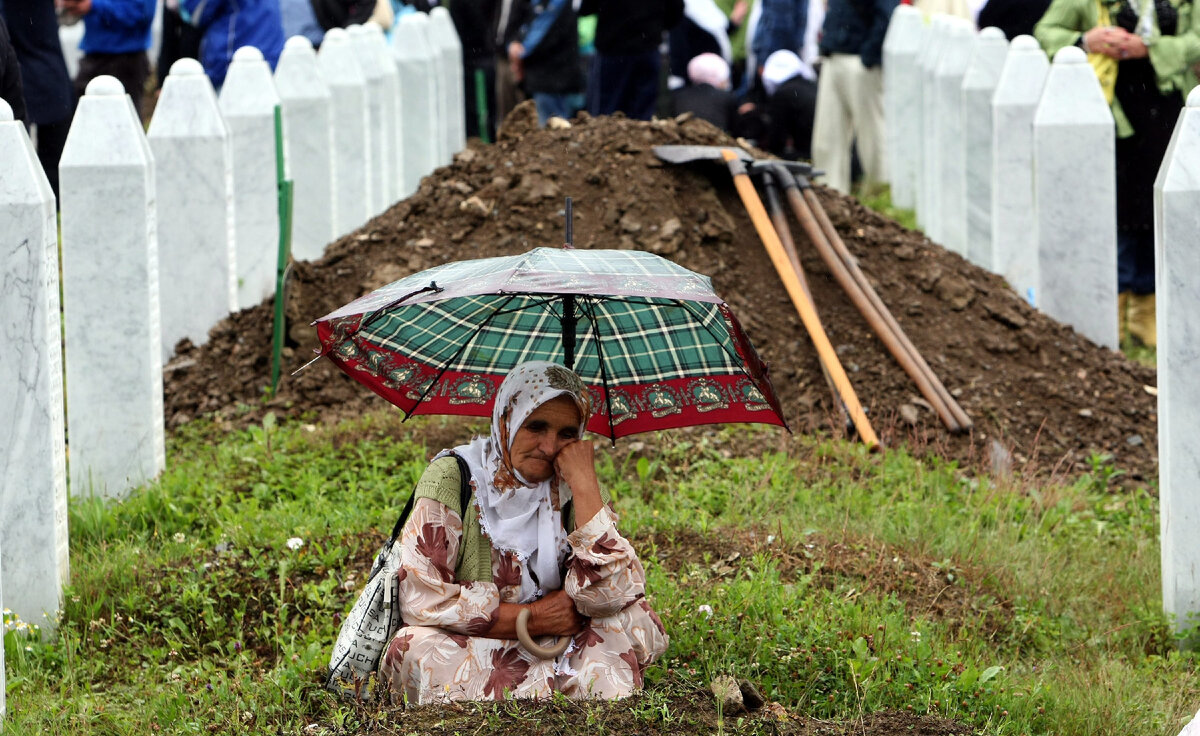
{"type": "Point", "coordinates": [569, 229]}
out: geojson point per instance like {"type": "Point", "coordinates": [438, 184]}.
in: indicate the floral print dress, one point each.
{"type": "Point", "coordinates": [440, 654]}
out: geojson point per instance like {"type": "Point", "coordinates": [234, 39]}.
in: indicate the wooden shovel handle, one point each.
{"type": "Point", "coordinates": [825, 351]}
{"type": "Point", "coordinates": [533, 647]}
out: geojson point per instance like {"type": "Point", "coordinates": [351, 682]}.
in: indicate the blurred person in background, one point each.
{"type": "Point", "coordinates": [791, 87]}
{"type": "Point", "coordinates": [704, 29]}
{"type": "Point", "coordinates": [1014, 17]}
{"type": "Point", "coordinates": [624, 74]}
{"type": "Point", "coordinates": [49, 97]}
{"type": "Point", "coordinates": [545, 59]}
{"type": "Point", "coordinates": [849, 107]}
{"type": "Point", "coordinates": [707, 95]}
{"type": "Point", "coordinates": [227, 25]}
{"type": "Point", "coordinates": [116, 35]}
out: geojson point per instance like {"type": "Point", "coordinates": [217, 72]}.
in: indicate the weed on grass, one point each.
{"type": "Point", "coordinates": [858, 592]}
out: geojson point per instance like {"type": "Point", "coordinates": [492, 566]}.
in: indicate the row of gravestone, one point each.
{"type": "Point", "coordinates": [164, 232]}
{"type": "Point", "coordinates": [986, 142]}
{"type": "Point", "coordinates": [1009, 160]}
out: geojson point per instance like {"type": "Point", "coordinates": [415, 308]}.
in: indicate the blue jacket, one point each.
{"type": "Point", "coordinates": [48, 92]}
{"type": "Point", "coordinates": [228, 25]}
{"type": "Point", "coordinates": [780, 28]}
{"type": "Point", "coordinates": [857, 27]}
{"type": "Point", "coordinates": [117, 26]}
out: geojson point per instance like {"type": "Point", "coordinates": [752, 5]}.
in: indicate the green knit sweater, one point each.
{"type": "Point", "coordinates": [442, 483]}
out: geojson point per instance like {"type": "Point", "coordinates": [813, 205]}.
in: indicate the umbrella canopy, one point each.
{"type": "Point", "coordinates": [657, 348]}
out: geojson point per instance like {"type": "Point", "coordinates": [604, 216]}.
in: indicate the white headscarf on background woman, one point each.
{"type": "Point", "coordinates": [516, 515]}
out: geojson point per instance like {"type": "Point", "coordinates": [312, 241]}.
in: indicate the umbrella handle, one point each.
{"type": "Point", "coordinates": [533, 647]}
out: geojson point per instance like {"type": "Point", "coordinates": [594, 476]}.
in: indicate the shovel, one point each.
{"type": "Point", "coordinates": [735, 159]}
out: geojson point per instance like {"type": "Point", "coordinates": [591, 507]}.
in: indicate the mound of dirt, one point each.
{"type": "Point", "coordinates": [1042, 397]}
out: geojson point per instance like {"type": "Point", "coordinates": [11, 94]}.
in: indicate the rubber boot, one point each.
{"type": "Point", "coordinates": [1141, 319]}
{"type": "Point", "coordinates": [1123, 317]}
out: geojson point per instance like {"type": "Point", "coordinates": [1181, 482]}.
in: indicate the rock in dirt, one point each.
{"type": "Point", "coordinates": [728, 695]}
{"type": "Point", "coordinates": [751, 696]}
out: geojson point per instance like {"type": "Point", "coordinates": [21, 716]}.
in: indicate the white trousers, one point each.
{"type": "Point", "coordinates": [849, 108]}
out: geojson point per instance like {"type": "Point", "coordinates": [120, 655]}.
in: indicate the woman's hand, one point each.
{"type": "Point", "coordinates": [1111, 41]}
{"type": "Point", "coordinates": [555, 615]}
{"type": "Point", "coordinates": [576, 464]}
{"type": "Point", "coordinates": [1132, 47]}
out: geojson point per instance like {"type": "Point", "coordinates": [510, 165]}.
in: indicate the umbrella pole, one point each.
{"type": "Point", "coordinates": [825, 351]}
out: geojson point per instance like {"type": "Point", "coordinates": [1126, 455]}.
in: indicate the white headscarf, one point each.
{"type": "Point", "coordinates": [708, 68]}
{"type": "Point", "coordinates": [516, 515]}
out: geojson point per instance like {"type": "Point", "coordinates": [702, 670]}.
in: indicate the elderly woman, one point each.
{"type": "Point", "coordinates": [537, 537]}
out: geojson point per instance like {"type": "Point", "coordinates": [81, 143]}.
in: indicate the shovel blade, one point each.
{"type": "Point", "coordinates": [690, 154]}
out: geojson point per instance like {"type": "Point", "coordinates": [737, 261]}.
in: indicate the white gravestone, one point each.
{"type": "Point", "coordinates": [443, 37]}
{"type": "Point", "coordinates": [1074, 184]}
{"type": "Point", "coordinates": [197, 260]}
{"type": "Point", "coordinates": [351, 130]}
{"type": "Point", "coordinates": [1014, 231]}
{"type": "Point", "coordinates": [377, 43]}
{"type": "Point", "coordinates": [1177, 286]}
{"type": "Point", "coordinates": [979, 85]}
{"type": "Point", "coordinates": [935, 39]}
{"type": "Point", "coordinates": [379, 117]}
{"type": "Point", "coordinates": [951, 170]}
{"type": "Point", "coordinates": [248, 101]}
{"type": "Point", "coordinates": [417, 64]}
{"type": "Point", "coordinates": [3, 686]}
{"type": "Point", "coordinates": [308, 147]}
{"type": "Point", "coordinates": [33, 481]}
{"type": "Point", "coordinates": [901, 88]}
{"type": "Point", "coordinates": [110, 296]}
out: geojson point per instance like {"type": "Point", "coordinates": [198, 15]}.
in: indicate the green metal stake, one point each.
{"type": "Point", "coordinates": [481, 106]}
{"type": "Point", "coordinates": [283, 263]}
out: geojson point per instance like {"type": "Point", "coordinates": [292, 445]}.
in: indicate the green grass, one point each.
{"type": "Point", "coordinates": [189, 613]}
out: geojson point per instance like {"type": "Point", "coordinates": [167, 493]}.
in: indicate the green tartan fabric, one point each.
{"type": "Point", "coordinates": [641, 340]}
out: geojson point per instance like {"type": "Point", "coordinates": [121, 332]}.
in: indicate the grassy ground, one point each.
{"type": "Point", "coordinates": [841, 583]}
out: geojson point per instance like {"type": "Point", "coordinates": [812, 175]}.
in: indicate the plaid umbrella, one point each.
{"type": "Point", "coordinates": [657, 348]}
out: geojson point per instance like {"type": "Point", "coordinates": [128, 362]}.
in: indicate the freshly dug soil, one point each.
{"type": "Point", "coordinates": [1042, 397]}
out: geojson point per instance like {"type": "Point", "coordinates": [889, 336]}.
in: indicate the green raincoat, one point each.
{"type": "Point", "coordinates": [1172, 57]}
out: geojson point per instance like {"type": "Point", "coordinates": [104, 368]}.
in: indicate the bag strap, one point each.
{"type": "Point", "coordinates": [464, 495]}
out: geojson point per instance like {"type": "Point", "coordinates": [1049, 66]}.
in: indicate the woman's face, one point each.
{"type": "Point", "coordinates": [547, 430]}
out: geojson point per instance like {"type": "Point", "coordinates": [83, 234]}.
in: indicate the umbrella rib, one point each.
{"type": "Point", "coordinates": [446, 366]}
{"type": "Point", "coordinates": [612, 428]}
{"type": "Point", "coordinates": [739, 362]}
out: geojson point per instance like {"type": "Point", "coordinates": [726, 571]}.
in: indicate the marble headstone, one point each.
{"type": "Point", "coordinates": [979, 85]}
{"type": "Point", "coordinates": [927, 203]}
{"type": "Point", "coordinates": [197, 262]}
{"type": "Point", "coordinates": [377, 43]}
{"type": "Point", "coordinates": [33, 470]}
{"type": "Point", "coordinates": [951, 169]}
{"type": "Point", "coordinates": [308, 147]}
{"type": "Point", "coordinates": [1014, 232]}
{"type": "Point", "coordinates": [352, 131]}
{"type": "Point", "coordinates": [3, 685]}
{"type": "Point", "coordinates": [443, 37]}
{"type": "Point", "coordinates": [1177, 286]}
{"type": "Point", "coordinates": [113, 340]}
{"type": "Point", "coordinates": [1074, 184]}
{"type": "Point", "coordinates": [901, 89]}
{"type": "Point", "coordinates": [417, 63]}
{"type": "Point", "coordinates": [379, 117]}
{"type": "Point", "coordinates": [248, 101]}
